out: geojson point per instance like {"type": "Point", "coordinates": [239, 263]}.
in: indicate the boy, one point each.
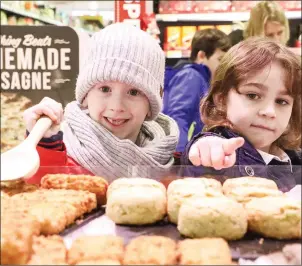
{"type": "Point", "coordinates": [191, 82]}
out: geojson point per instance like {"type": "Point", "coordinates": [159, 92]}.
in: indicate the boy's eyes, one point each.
{"type": "Point", "coordinates": [134, 92]}
{"type": "Point", "coordinates": [105, 89]}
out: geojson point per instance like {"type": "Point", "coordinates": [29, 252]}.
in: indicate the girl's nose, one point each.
{"type": "Point", "coordinates": [268, 110]}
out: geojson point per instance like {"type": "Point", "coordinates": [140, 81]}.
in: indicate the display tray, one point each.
{"type": "Point", "coordinates": [96, 223]}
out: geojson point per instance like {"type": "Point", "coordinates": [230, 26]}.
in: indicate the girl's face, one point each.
{"type": "Point", "coordinates": [119, 108]}
{"type": "Point", "coordinates": [274, 30]}
{"type": "Point", "coordinates": [262, 107]}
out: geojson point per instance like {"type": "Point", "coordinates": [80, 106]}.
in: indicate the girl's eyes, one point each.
{"type": "Point", "coordinates": [134, 92]}
{"type": "Point", "coordinates": [253, 96]}
{"type": "Point", "coordinates": [282, 102]}
{"type": "Point", "coordinates": [105, 89]}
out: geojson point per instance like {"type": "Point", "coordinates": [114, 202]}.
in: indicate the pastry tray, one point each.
{"type": "Point", "coordinates": [97, 223]}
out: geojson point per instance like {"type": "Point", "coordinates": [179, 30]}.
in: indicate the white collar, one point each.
{"type": "Point", "coordinates": [267, 157]}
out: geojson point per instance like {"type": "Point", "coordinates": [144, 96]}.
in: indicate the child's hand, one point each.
{"type": "Point", "coordinates": [215, 152]}
{"type": "Point", "coordinates": [48, 107]}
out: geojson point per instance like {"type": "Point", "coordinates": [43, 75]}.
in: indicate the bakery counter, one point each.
{"type": "Point", "coordinates": [182, 215]}
{"type": "Point", "coordinates": [250, 247]}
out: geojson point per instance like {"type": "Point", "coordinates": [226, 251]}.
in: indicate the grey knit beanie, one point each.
{"type": "Point", "coordinates": [124, 53]}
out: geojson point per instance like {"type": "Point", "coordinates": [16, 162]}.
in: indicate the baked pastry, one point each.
{"type": "Point", "coordinates": [245, 194]}
{"type": "Point", "coordinates": [243, 189]}
{"type": "Point", "coordinates": [205, 251]}
{"type": "Point", "coordinates": [275, 217]}
{"type": "Point", "coordinates": [248, 181]}
{"type": "Point", "coordinates": [136, 205]}
{"type": "Point", "coordinates": [93, 184]}
{"type": "Point", "coordinates": [181, 190]}
{"type": "Point", "coordinates": [96, 249]}
{"type": "Point", "coordinates": [48, 251]}
{"type": "Point", "coordinates": [151, 250]}
{"type": "Point", "coordinates": [136, 201]}
{"type": "Point", "coordinates": [134, 182]}
{"type": "Point", "coordinates": [17, 232]}
{"type": "Point", "coordinates": [212, 217]}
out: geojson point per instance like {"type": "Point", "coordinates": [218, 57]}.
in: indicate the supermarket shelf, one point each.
{"type": "Point", "coordinates": [221, 16]}
{"type": "Point", "coordinates": [177, 53]}
{"type": "Point", "coordinates": [24, 13]}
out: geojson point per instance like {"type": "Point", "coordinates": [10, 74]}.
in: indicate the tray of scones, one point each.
{"type": "Point", "coordinates": [84, 220]}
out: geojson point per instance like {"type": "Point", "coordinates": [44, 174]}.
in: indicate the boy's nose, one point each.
{"type": "Point", "coordinates": [116, 104]}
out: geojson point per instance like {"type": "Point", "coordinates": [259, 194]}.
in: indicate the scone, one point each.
{"type": "Point", "coordinates": [248, 181]}
{"type": "Point", "coordinates": [212, 217]}
{"type": "Point", "coordinates": [151, 250]}
{"type": "Point", "coordinates": [243, 189]}
{"type": "Point", "coordinates": [275, 217]}
{"type": "Point", "coordinates": [136, 201]}
{"type": "Point", "coordinates": [245, 194]}
{"type": "Point", "coordinates": [181, 190]}
{"type": "Point", "coordinates": [136, 205]}
{"type": "Point", "coordinates": [134, 182]}
{"type": "Point", "coordinates": [96, 248]}
{"type": "Point", "coordinates": [95, 184]}
{"type": "Point", "coordinates": [205, 251]}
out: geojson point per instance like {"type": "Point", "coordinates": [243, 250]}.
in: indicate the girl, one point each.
{"type": "Point", "coordinates": [115, 122]}
{"type": "Point", "coordinates": [268, 19]}
{"type": "Point", "coordinates": [252, 114]}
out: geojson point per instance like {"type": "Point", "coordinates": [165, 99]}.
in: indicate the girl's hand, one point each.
{"type": "Point", "coordinates": [48, 107]}
{"type": "Point", "coordinates": [215, 152]}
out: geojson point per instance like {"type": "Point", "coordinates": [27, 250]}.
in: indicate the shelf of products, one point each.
{"type": "Point", "coordinates": [28, 14]}
{"type": "Point", "coordinates": [219, 16]}
{"type": "Point", "coordinates": [17, 14]}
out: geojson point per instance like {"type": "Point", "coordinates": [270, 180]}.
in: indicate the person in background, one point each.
{"type": "Point", "coordinates": [115, 122]}
{"type": "Point", "coordinates": [267, 19]}
{"type": "Point", "coordinates": [189, 82]}
{"type": "Point", "coordinates": [252, 115]}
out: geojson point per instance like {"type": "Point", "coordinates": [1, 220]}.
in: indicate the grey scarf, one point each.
{"type": "Point", "coordinates": [102, 153]}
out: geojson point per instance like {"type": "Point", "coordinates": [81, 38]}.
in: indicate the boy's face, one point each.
{"type": "Point", "coordinates": [213, 61]}
{"type": "Point", "coordinates": [262, 109]}
{"type": "Point", "coordinates": [119, 108]}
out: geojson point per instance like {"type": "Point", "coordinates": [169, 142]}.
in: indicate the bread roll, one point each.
{"type": "Point", "coordinates": [136, 205]}
{"type": "Point", "coordinates": [248, 181]}
{"type": "Point", "coordinates": [135, 182]}
{"type": "Point", "coordinates": [243, 189]}
{"type": "Point", "coordinates": [275, 217]}
{"type": "Point", "coordinates": [181, 190]}
{"type": "Point", "coordinates": [212, 217]}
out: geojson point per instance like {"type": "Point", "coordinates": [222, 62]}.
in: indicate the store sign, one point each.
{"type": "Point", "coordinates": [39, 61]}
{"type": "Point", "coordinates": [130, 11]}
